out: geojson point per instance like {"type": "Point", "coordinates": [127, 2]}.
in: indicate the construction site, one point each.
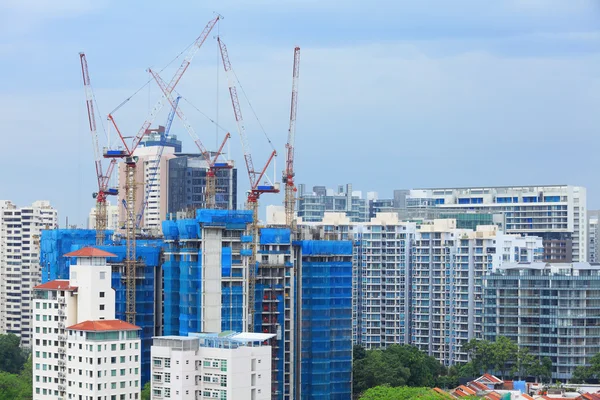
{"type": "Point", "coordinates": [189, 262]}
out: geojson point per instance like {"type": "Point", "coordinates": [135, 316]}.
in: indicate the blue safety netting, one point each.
{"type": "Point", "coordinates": [326, 247]}
{"type": "Point", "coordinates": [275, 236]}
{"type": "Point", "coordinates": [229, 219]}
{"type": "Point", "coordinates": [326, 347]}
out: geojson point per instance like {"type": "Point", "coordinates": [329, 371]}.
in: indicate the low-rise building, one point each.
{"type": "Point", "coordinates": [229, 365]}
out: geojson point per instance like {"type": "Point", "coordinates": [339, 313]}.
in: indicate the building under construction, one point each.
{"type": "Point", "coordinates": [56, 243]}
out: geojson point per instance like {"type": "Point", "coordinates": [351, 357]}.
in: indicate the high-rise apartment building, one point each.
{"type": "Point", "coordinates": [556, 213]}
{"type": "Point", "coordinates": [447, 269]}
{"type": "Point", "coordinates": [551, 309]}
{"type": "Point", "coordinates": [187, 184]}
{"type": "Point", "coordinates": [593, 236]}
{"type": "Point", "coordinates": [112, 212]}
{"type": "Point", "coordinates": [79, 348]}
{"type": "Point", "coordinates": [226, 365]}
{"type": "Point", "coordinates": [324, 318]}
{"type": "Point", "coordinates": [313, 205]}
{"type": "Point", "coordinates": [20, 230]}
{"type": "Point", "coordinates": [380, 274]}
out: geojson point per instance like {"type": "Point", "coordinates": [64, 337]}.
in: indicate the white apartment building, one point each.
{"type": "Point", "coordinates": [556, 213]}
{"type": "Point", "coordinates": [77, 343]}
{"type": "Point", "coordinates": [20, 271]}
{"type": "Point", "coordinates": [225, 366]}
{"type": "Point", "coordinates": [112, 212]}
{"type": "Point", "coordinates": [398, 285]}
{"type": "Point", "coordinates": [152, 184]}
{"type": "Point", "coordinates": [593, 236]}
{"type": "Point", "coordinates": [448, 266]}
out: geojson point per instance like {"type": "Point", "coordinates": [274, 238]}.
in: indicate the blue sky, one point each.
{"type": "Point", "coordinates": [393, 94]}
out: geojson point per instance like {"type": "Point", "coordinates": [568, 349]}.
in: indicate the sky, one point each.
{"type": "Point", "coordinates": [392, 95]}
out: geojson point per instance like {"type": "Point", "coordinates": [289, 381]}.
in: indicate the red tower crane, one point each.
{"type": "Point", "coordinates": [211, 160]}
{"type": "Point", "coordinates": [103, 177]}
{"type": "Point", "coordinates": [130, 170]}
{"type": "Point", "coordinates": [288, 173]}
{"type": "Point", "coordinates": [255, 177]}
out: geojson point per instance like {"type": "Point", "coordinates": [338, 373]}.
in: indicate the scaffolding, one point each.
{"type": "Point", "coordinates": [324, 289]}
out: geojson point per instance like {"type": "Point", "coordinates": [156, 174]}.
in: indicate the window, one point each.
{"type": "Point", "coordinates": [122, 372]}
{"type": "Point", "coordinates": [113, 347]}
{"type": "Point", "coordinates": [101, 307]}
{"type": "Point", "coordinates": [157, 362]}
{"type": "Point", "coordinates": [167, 360]}
{"type": "Point", "coordinates": [102, 275]}
{"type": "Point", "coordinates": [122, 346]}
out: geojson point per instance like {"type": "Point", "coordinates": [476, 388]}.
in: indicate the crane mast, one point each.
{"type": "Point", "coordinates": [254, 177]}
{"type": "Point", "coordinates": [103, 178]}
{"type": "Point", "coordinates": [130, 171]}
{"type": "Point", "coordinates": [288, 174]}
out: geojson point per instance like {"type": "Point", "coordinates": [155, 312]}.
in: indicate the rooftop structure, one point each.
{"type": "Point", "coordinates": [313, 205]}
{"type": "Point", "coordinates": [227, 365]}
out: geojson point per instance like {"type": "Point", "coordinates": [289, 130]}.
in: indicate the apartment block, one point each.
{"type": "Point", "coordinates": [312, 206]}
{"type": "Point", "coordinates": [20, 271]}
{"type": "Point", "coordinates": [112, 211]}
{"type": "Point", "coordinates": [324, 314]}
{"type": "Point", "coordinates": [556, 213]}
{"type": "Point", "coordinates": [205, 272]}
{"type": "Point", "coordinates": [226, 365]}
{"type": "Point", "coordinates": [274, 306]}
{"type": "Point", "coordinates": [380, 274]}
{"type": "Point", "coordinates": [551, 309]}
{"type": "Point", "coordinates": [448, 265]}
{"type": "Point", "coordinates": [79, 348]}
{"type": "Point", "coordinates": [593, 236]}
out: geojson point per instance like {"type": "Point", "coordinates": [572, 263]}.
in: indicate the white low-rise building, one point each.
{"type": "Point", "coordinates": [235, 366]}
{"type": "Point", "coordinates": [79, 350]}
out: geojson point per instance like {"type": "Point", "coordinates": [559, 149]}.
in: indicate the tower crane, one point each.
{"type": "Point", "coordinates": [255, 177]}
{"type": "Point", "coordinates": [156, 165]}
{"type": "Point", "coordinates": [288, 173]}
{"type": "Point", "coordinates": [130, 170]}
{"type": "Point", "coordinates": [211, 161]}
{"type": "Point", "coordinates": [103, 177]}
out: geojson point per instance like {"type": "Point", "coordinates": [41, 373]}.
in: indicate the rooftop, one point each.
{"type": "Point", "coordinates": [104, 325]}
{"type": "Point", "coordinates": [56, 285]}
{"type": "Point", "coordinates": [90, 252]}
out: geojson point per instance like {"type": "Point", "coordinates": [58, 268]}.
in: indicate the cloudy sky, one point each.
{"type": "Point", "coordinates": [393, 94]}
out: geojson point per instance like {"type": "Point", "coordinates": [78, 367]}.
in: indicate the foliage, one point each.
{"type": "Point", "coordinates": [397, 365]}
{"type": "Point", "coordinates": [400, 393]}
{"type": "Point", "coordinates": [583, 374]}
{"type": "Point", "coordinates": [12, 357]}
{"type": "Point", "coordinates": [146, 391]}
{"type": "Point", "coordinates": [506, 359]}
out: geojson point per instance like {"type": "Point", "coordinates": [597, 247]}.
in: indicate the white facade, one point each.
{"type": "Point", "coordinates": [593, 237]}
{"type": "Point", "coordinates": [399, 280]}
{"type": "Point", "coordinates": [20, 271]}
{"type": "Point", "coordinates": [448, 266]}
{"type": "Point", "coordinates": [71, 319]}
{"type": "Point", "coordinates": [152, 183]}
{"type": "Point", "coordinates": [103, 360]}
{"type": "Point", "coordinates": [112, 212]}
{"type": "Point", "coordinates": [557, 213]}
{"type": "Point", "coordinates": [226, 366]}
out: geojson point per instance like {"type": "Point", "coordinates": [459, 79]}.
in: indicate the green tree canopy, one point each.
{"type": "Point", "coordinates": [401, 393]}
{"type": "Point", "coordinates": [146, 391]}
{"type": "Point", "coordinates": [12, 357]}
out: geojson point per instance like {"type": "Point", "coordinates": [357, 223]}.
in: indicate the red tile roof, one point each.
{"type": "Point", "coordinates": [104, 325]}
{"type": "Point", "coordinates": [442, 392]}
{"type": "Point", "coordinates": [489, 378]}
{"type": "Point", "coordinates": [493, 396]}
{"type": "Point", "coordinates": [90, 252]}
{"type": "Point", "coordinates": [478, 386]}
{"type": "Point", "coordinates": [56, 285]}
{"type": "Point", "coordinates": [526, 396]}
{"type": "Point", "coordinates": [462, 390]}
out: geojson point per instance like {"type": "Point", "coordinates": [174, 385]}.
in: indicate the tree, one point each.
{"type": "Point", "coordinates": [504, 351]}
{"type": "Point", "coordinates": [26, 378]}
{"type": "Point", "coordinates": [146, 391]}
{"type": "Point", "coordinates": [358, 352]}
{"type": "Point", "coordinates": [481, 354]}
{"type": "Point", "coordinates": [400, 393]}
{"type": "Point", "coordinates": [12, 357]}
{"type": "Point", "coordinates": [525, 364]}
{"type": "Point", "coordinates": [11, 387]}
